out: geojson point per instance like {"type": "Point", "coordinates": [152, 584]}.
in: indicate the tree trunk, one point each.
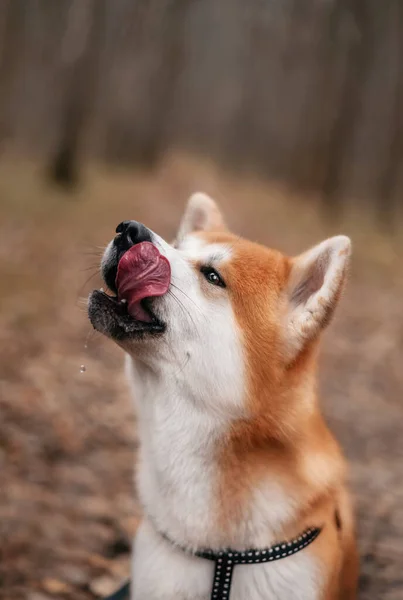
{"type": "Point", "coordinates": [12, 39]}
{"type": "Point", "coordinates": [358, 63]}
{"type": "Point", "coordinates": [388, 193]}
{"type": "Point", "coordinates": [80, 52]}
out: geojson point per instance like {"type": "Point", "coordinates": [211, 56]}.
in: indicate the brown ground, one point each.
{"type": "Point", "coordinates": [67, 509]}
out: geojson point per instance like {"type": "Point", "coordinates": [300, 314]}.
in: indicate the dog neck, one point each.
{"type": "Point", "coordinates": [214, 482]}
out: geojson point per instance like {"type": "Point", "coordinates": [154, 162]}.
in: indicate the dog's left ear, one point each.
{"type": "Point", "coordinates": [314, 287]}
{"type": "Point", "coordinates": [201, 214]}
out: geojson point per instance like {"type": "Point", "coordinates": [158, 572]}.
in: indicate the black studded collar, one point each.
{"type": "Point", "coordinates": [226, 560]}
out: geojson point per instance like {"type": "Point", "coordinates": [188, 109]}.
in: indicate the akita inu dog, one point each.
{"type": "Point", "coordinates": [241, 482]}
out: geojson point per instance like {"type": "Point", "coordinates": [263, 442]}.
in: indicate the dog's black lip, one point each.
{"type": "Point", "coordinates": [110, 279]}
{"type": "Point", "coordinates": [109, 316]}
{"type": "Point", "coordinates": [110, 270]}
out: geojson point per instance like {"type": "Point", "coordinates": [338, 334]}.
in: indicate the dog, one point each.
{"type": "Point", "coordinates": [221, 339]}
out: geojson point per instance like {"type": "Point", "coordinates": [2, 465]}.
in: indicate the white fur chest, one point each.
{"type": "Point", "coordinates": [176, 474]}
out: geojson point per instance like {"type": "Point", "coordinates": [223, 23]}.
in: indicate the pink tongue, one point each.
{"type": "Point", "coordinates": [142, 273]}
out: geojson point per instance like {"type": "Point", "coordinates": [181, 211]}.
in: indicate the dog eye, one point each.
{"type": "Point", "coordinates": [212, 276]}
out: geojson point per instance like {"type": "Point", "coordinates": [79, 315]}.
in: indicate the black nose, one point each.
{"type": "Point", "coordinates": [131, 233]}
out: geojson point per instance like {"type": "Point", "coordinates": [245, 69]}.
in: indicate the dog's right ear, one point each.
{"type": "Point", "coordinates": [201, 214]}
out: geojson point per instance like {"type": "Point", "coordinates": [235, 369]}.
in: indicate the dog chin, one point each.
{"type": "Point", "coordinates": [110, 316]}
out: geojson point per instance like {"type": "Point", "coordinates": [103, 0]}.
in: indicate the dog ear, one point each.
{"type": "Point", "coordinates": [201, 214]}
{"type": "Point", "coordinates": [314, 287]}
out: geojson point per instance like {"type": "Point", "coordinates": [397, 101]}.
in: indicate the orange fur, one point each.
{"type": "Point", "coordinates": [284, 434]}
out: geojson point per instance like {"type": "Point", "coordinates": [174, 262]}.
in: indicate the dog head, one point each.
{"type": "Point", "coordinates": [229, 316]}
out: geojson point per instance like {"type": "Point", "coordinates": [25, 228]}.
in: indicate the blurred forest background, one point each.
{"type": "Point", "coordinates": [290, 113]}
{"type": "Point", "coordinates": [309, 92]}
